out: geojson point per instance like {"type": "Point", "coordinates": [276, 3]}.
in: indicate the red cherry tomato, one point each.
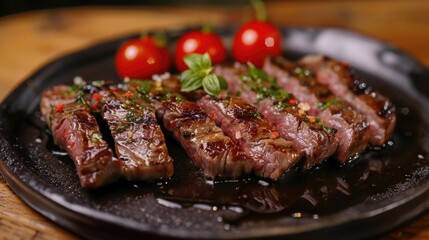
{"type": "Point", "coordinates": [255, 41]}
{"type": "Point", "coordinates": [141, 58]}
{"type": "Point", "coordinates": [199, 42]}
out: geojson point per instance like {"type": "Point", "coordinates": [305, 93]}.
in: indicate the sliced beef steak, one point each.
{"type": "Point", "coordinates": [55, 97]}
{"type": "Point", "coordinates": [352, 135]}
{"type": "Point", "coordinates": [139, 141]}
{"type": "Point", "coordinates": [76, 130]}
{"type": "Point", "coordinates": [204, 142]}
{"type": "Point", "coordinates": [259, 138]}
{"type": "Point", "coordinates": [282, 110]}
{"type": "Point", "coordinates": [379, 111]}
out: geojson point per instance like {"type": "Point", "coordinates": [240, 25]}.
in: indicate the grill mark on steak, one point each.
{"type": "Point", "coordinates": [75, 130]}
{"type": "Point", "coordinates": [213, 152]}
{"type": "Point", "coordinates": [139, 141]}
{"type": "Point", "coordinates": [242, 122]}
{"type": "Point", "coordinates": [204, 142]}
{"type": "Point", "coordinates": [338, 77]}
{"type": "Point", "coordinates": [293, 125]}
{"type": "Point", "coordinates": [352, 135]}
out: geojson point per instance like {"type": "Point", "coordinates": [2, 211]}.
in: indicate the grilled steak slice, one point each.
{"type": "Point", "coordinates": [352, 135]}
{"type": "Point", "coordinates": [282, 110]}
{"type": "Point", "coordinates": [139, 141]}
{"type": "Point", "coordinates": [204, 142]}
{"type": "Point", "coordinates": [379, 111]}
{"type": "Point", "coordinates": [76, 130]}
{"type": "Point", "coordinates": [260, 139]}
{"type": "Point", "coordinates": [55, 97]}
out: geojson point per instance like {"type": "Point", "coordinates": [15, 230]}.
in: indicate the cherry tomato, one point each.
{"type": "Point", "coordinates": [255, 41]}
{"type": "Point", "coordinates": [199, 42]}
{"type": "Point", "coordinates": [141, 58]}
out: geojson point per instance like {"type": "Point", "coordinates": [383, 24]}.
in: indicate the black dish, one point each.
{"type": "Point", "coordinates": [384, 188]}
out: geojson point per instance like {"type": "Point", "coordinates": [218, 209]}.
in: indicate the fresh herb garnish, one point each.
{"type": "Point", "coordinates": [199, 75]}
{"type": "Point", "coordinates": [322, 106]}
{"type": "Point", "coordinates": [98, 83]}
{"type": "Point", "coordinates": [74, 88]}
{"type": "Point", "coordinates": [321, 123]}
{"type": "Point", "coordinates": [301, 72]}
{"type": "Point", "coordinates": [122, 127]}
{"type": "Point", "coordinates": [265, 85]}
{"type": "Point", "coordinates": [282, 105]}
{"type": "Point", "coordinates": [96, 137]}
{"type": "Point", "coordinates": [130, 117]}
{"type": "Point", "coordinates": [144, 87]}
{"type": "Point", "coordinates": [81, 98]}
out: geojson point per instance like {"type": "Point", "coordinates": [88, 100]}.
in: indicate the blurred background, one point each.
{"type": "Point", "coordinates": [12, 6]}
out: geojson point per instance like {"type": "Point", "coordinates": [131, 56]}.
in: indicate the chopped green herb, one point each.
{"type": "Point", "coordinates": [81, 98]}
{"type": "Point", "coordinates": [256, 114]}
{"type": "Point", "coordinates": [144, 86]}
{"type": "Point", "coordinates": [301, 72]}
{"type": "Point", "coordinates": [74, 88]}
{"type": "Point", "coordinates": [322, 106]}
{"type": "Point", "coordinates": [321, 123]}
{"type": "Point", "coordinates": [130, 117]}
{"type": "Point", "coordinates": [282, 105]}
{"type": "Point", "coordinates": [122, 127]}
{"type": "Point", "coordinates": [179, 99]}
{"type": "Point", "coordinates": [98, 83]}
{"type": "Point", "coordinates": [96, 137]}
{"type": "Point", "coordinates": [265, 85]}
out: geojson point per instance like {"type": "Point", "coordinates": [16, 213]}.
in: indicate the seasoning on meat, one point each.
{"type": "Point", "coordinates": [306, 132]}
{"type": "Point", "coordinates": [258, 137]}
{"type": "Point", "coordinates": [139, 141]}
{"type": "Point", "coordinates": [205, 143]}
{"type": "Point", "coordinates": [76, 130]}
{"type": "Point", "coordinates": [352, 135]}
{"type": "Point", "coordinates": [338, 77]}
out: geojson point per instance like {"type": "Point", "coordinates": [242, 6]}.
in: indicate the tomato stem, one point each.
{"type": "Point", "coordinates": [207, 28]}
{"type": "Point", "coordinates": [260, 10]}
{"type": "Point", "coordinates": [160, 39]}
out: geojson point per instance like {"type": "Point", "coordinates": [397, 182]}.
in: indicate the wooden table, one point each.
{"type": "Point", "coordinates": [30, 40]}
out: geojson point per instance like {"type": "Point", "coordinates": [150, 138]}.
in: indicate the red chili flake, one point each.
{"type": "Point", "coordinates": [292, 101]}
{"type": "Point", "coordinates": [275, 134]}
{"type": "Point", "coordinates": [128, 94]}
{"type": "Point", "coordinates": [60, 107]}
{"type": "Point", "coordinates": [96, 96]}
{"type": "Point", "coordinates": [212, 116]}
{"type": "Point", "coordinates": [312, 119]}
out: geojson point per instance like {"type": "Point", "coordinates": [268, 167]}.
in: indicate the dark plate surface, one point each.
{"type": "Point", "coordinates": [383, 188]}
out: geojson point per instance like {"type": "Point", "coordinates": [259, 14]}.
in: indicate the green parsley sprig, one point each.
{"type": "Point", "coordinates": [199, 75]}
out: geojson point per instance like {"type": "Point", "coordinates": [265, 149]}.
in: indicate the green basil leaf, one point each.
{"type": "Point", "coordinates": [193, 61]}
{"type": "Point", "coordinates": [185, 75]}
{"type": "Point", "coordinates": [206, 62]}
{"type": "Point", "coordinates": [211, 85]}
{"type": "Point", "coordinates": [192, 82]}
{"type": "Point", "coordinates": [222, 82]}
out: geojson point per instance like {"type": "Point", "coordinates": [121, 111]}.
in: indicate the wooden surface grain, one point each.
{"type": "Point", "coordinates": [30, 40]}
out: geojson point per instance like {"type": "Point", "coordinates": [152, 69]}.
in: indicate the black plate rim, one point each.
{"type": "Point", "coordinates": [418, 194]}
